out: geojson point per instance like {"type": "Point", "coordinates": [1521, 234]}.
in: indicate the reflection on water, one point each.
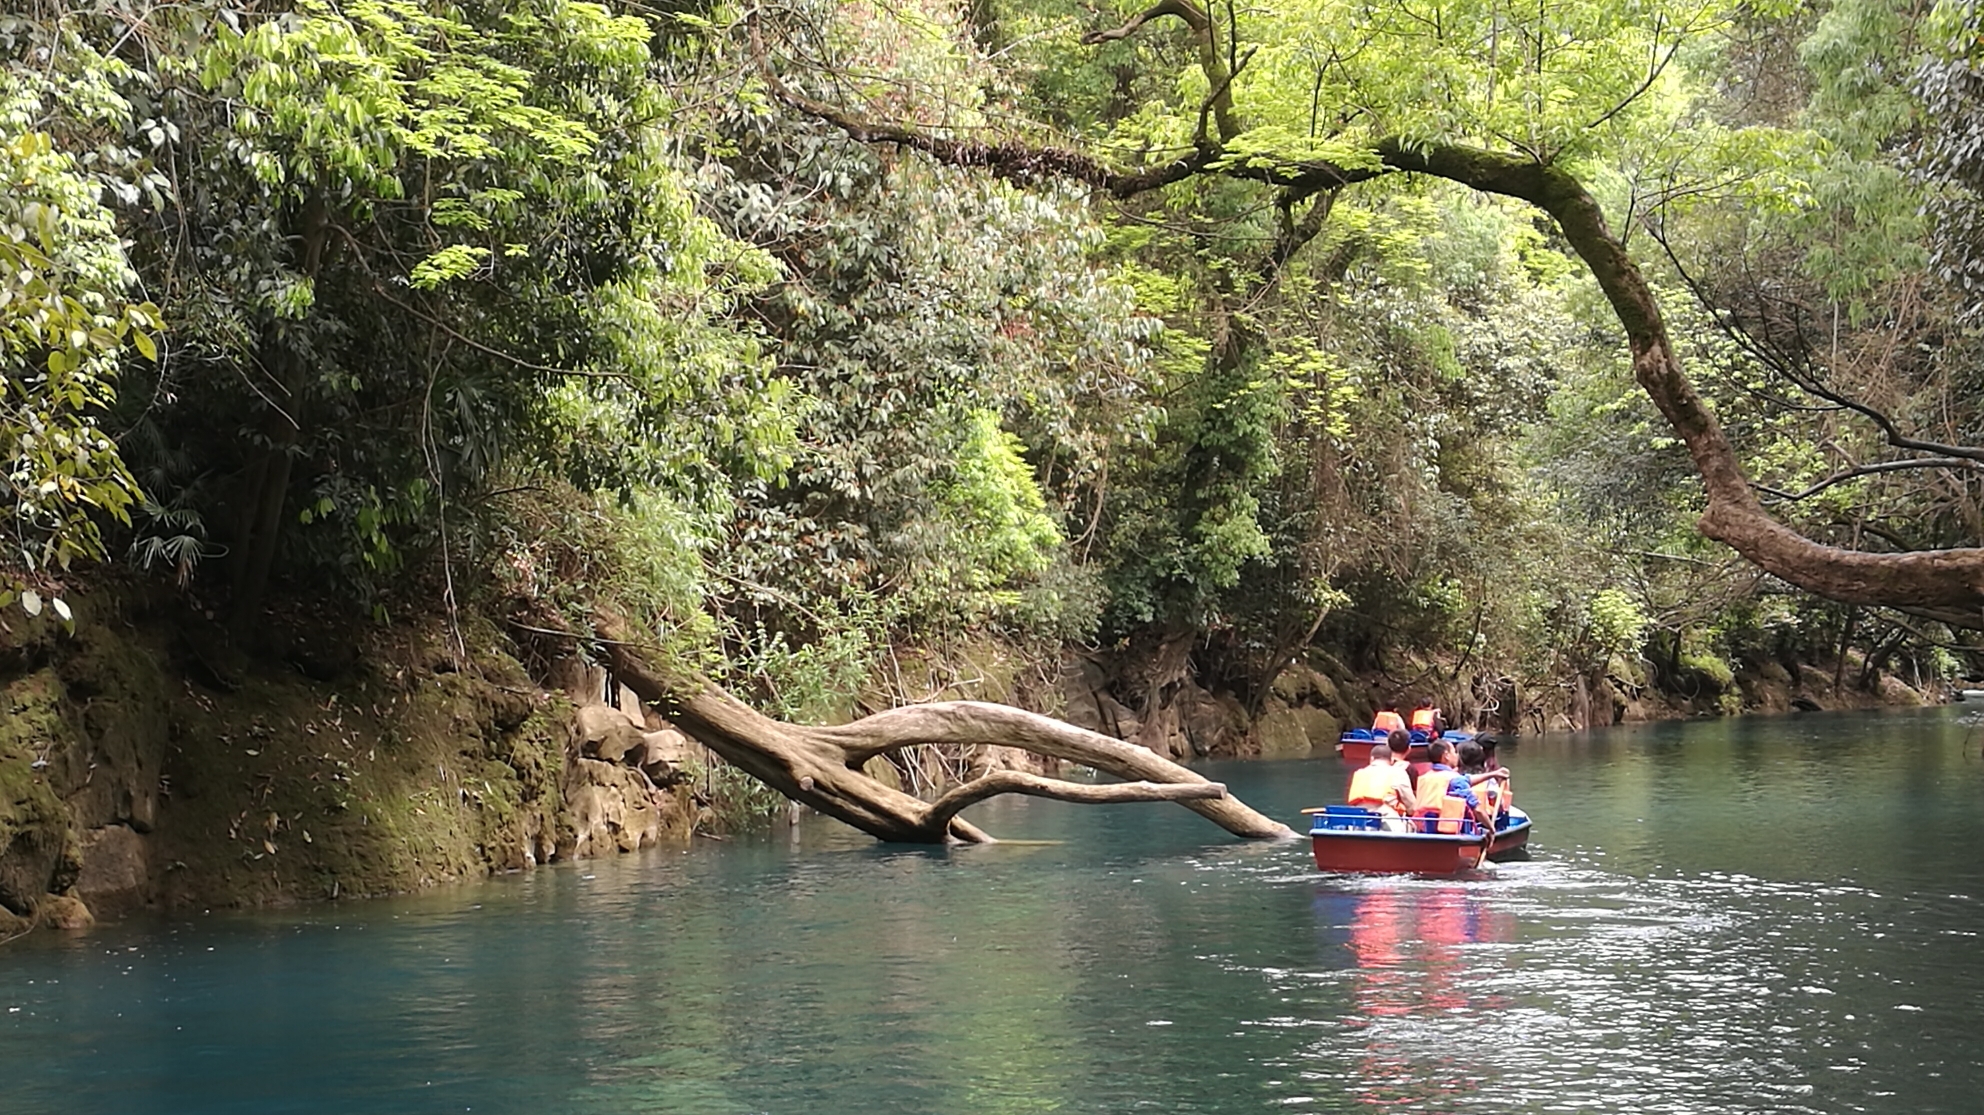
{"type": "Point", "coordinates": [1744, 916]}
{"type": "Point", "coordinates": [1408, 949]}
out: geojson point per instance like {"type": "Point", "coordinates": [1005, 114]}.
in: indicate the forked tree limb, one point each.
{"type": "Point", "coordinates": [821, 766]}
{"type": "Point", "coordinates": [1219, 72]}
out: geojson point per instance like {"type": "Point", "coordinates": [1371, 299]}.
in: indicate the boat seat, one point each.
{"type": "Point", "coordinates": [1423, 822]}
{"type": "Point", "coordinates": [1348, 817]}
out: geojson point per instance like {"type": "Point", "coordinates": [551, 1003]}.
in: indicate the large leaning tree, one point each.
{"type": "Point", "coordinates": [1539, 104]}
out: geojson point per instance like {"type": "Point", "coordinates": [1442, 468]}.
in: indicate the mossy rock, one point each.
{"type": "Point", "coordinates": [61, 911]}
{"type": "Point", "coordinates": [1280, 732]}
{"type": "Point", "coordinates": [1321, 727]}
{"type": "Point", "coordinates": [1894, 691]}
{"type": "Point", "coordinates": [34, 822]}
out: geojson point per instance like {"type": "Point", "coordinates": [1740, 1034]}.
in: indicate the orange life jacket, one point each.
{"type": "Point", "coordinates": [1422, 719]}
{"type": "Point", "coordinates": [1373, 788]}
{"type": "Point", "coordinates": [1437, 804]}
{"type": "Point", "coordinates": [1387, 721]}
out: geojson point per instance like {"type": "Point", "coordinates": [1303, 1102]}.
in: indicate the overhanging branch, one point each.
{"type": "Point", "coordinates": [1875, 469]}
{"type": "Point", "coordinates": [1934, 579]}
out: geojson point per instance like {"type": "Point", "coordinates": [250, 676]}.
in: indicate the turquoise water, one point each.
{"type": "Point", "coordinates": [1759, 915]}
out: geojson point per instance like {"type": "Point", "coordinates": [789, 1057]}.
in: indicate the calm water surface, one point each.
{"type": "Point", "coordinates": [1760, 915]}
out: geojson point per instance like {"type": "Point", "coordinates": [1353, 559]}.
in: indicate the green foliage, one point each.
{"type": "Point", "coordinates": [993, 512]}
{"type": "Point", "coordinates": [1618, 623]}
{"type": "Point", "coordinates": [561, 297]}
{"type": "Point", "coordinates": [732, 801]}
{"type": "Point", "coordinates": [406, 250]}
{"type": "Point", "coordinates": [69, 310]}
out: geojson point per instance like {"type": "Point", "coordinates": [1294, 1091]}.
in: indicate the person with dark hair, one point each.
{"type": "Point", "coordinates": [1443, 795]}
{"type": "Point", "coordinates": [1401, 743]}
{"type": "Point", "coordinates": [1388, 719]}
{"type": "Point", "coordinates": [1491, 784]}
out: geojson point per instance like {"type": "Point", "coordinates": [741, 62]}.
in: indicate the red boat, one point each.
{"type": "Point", "coordinates": [1359, 750]}
{"type": "Point", "coordinates": [1352, 838]}
{"type": "Point", "coordinates": [1511, 836]}
{"type": "Point", "coordinates": [1355, 745]}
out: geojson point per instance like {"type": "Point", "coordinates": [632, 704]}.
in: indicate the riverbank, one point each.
{"type": "Point", "coordinates": [143, 761]}
{"type": "Point", "coordinates": [146, 761]}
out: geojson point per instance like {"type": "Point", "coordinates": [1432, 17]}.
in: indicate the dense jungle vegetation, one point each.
{"type": "Point", "coordinates": [800, 330]}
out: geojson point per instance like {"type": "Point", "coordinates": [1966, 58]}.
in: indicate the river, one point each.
{"type": "Point", "coordinates": [1750, 915]}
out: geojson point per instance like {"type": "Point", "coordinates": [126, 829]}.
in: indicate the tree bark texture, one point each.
{"type": "Point", "coordinates": [821, 766]}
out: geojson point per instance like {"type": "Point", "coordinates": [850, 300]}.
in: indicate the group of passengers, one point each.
{"type": "Point", "coordinates": [1432, 791]}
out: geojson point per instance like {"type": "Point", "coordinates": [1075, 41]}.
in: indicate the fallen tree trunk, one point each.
{"type": "Point", "coordinates": [821, 766]}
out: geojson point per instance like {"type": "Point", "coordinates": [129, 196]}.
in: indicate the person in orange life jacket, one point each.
{"type": "Point", "coordinates": [1443, 795]}
{"type": "Point", "coordinates": [1379, 786]}
{"type": "Point", "coordinates": [1427, 719]}
{"type": "Point", "coordinates": [1388, 719]}
{"type": "Point", "coordinates": [1492, 784]}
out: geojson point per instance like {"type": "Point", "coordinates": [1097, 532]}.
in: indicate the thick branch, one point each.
{"type": "Point", "coordinates": [1016, 782]}
{"type": "Point", "coordinates": [979, 722]}
{"type": "Point", "coordinates": [1194, 17]}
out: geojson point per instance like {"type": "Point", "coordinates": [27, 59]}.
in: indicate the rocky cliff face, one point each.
{"type": "Point", "coordinates": [140, 763]}
{"type": "Point", "coordinates": [1307, 706]}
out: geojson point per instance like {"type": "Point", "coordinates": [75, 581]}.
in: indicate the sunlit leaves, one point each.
{"type": "Point", "coordinates": [69, 313]}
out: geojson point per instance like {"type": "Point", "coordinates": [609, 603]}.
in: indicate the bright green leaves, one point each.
{"type": "Point", "coordinates": [1278, 147]}
{"type": "Point", "coordinates": [352, 91]}
{"type": "Point", "coordinates": [343, 101]}
{"type": "Point", "coordinates": [996, 509]}
{"type": "Point", "coordinates": [452, 262]}
{"type": "Point", "coordinates": [68, 318]}
{"type": "Point", "coordinates": [1545, 80]}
